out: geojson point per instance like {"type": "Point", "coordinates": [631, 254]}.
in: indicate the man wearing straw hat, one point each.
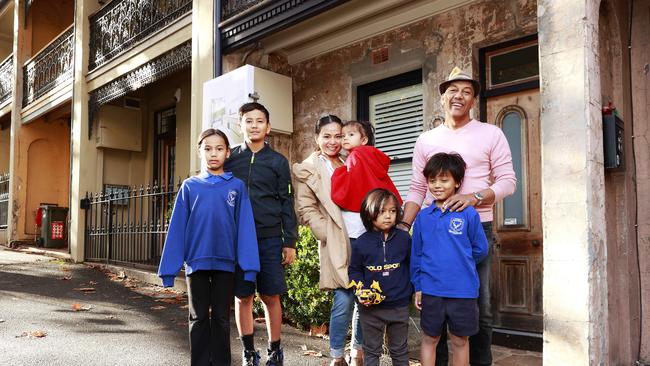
{"type": "Point", "coordinates": [488, 179]}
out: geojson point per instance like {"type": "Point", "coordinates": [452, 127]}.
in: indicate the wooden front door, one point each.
{"type": "Point", "coordinates": [517, 258]}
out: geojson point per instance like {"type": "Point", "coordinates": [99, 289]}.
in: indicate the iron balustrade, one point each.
{"type": "Point", "coordinates": [49, 68]}
{"type": "Point", "coordinates": [6, 78]}
{"type": "Point", "coordinates": [4, 200]}
{"type": "Point", "coordinates": [121, 24]}
{"type": "Point", "coordinates": [128, 225]}
{"type": "Point", "coordinates": [230, 8]}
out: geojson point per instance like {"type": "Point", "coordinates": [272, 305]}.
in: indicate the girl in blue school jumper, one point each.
{"type": "Point", "coordinates": [211, 230]}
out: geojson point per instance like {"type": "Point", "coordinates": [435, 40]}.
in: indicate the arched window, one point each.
{"type": "Point", "coordinates": [513, 211]}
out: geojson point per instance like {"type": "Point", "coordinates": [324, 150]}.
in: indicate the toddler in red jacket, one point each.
{"type": "Point", "coordinates": [366, 168]}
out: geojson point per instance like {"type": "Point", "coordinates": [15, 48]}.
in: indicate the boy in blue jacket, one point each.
{"type": "Point", "coordinates": [379, 271]}
{"type": "Point", "coordinates": [211, 231]}
{"type": "Point", "coordinates": [446, 247]}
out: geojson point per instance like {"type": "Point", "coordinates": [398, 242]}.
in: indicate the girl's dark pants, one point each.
{"type": "Point", "coordinates": [210, 332]}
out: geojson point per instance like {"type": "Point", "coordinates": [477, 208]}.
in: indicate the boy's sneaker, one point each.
{"type": "Point", "coordinates": [250, 358]}
{"type": "Point", "coordinates": [274, 357]}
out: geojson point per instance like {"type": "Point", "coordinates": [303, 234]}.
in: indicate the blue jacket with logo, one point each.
{"type": "Point", "coordinates": [446, 247]}
{"type": "Point", "coordinates": [212, 228]}
{"type": "Point", "coordinates": [384, 261]}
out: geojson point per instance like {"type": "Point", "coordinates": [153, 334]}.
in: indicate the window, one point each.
{"type": "Point", "coordinates": [509, 67]}
{"type": "Point", "coordinates": [395, 107]}
{"type": "Point", "coordinates": [513, 212]}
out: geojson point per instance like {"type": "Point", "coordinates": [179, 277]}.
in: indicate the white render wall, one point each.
{"type": "Point", "coordinates": [575, 286]}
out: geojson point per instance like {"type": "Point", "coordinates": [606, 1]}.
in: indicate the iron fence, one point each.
{"type": "Point", "coordinates": [128, 225]}
{"type": "Point", "coordinates": [121, 24]}
{"type": "Point", "coordinates": [230, 8]}
{"type": "Point", "coordinates": [6, 78]}
{"type": "Point", "coordinates": [4, 200]}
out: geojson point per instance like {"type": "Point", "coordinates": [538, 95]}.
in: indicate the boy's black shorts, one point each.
{"type": "Point", "coordinates": [461, 315]}
{"type": "Point", "coordinates": [270, 279]}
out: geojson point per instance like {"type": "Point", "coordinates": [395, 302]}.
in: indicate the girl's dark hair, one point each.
{"type": "Point", "coordinates": [210, 132]}
{"type": "Point", "coordinates": [326, 120]}
{"type": "Point", "coordinates": [439, 163]}
{"type": "Point", "coordinates": [248, 107]}
{"type": "Point", "coordinates": [367, 130]}
{"type": "Point", "coordinates": [374, 202]}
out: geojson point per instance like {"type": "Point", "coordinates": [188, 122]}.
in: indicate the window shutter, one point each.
{"type": "Point", "coordinates": [398, 119]}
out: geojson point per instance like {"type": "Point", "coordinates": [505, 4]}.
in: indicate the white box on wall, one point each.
{"type": "Point", "coordinates": [222, 97]}
{"type": "Point", "coordinates": [120, 128]}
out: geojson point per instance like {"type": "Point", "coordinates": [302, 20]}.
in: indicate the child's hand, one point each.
{"type": "Point", "coordinates": [288, 256]}
{"type": "Point", "coordinates": [417, 300]}
{"type": "Point", "coordinates": [364, 302]}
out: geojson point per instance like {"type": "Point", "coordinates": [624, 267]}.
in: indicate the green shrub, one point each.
{"type": "Point", "coordinates": [305, 304]}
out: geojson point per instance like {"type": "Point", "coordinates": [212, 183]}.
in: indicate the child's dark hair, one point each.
{"type": "Point", "coordinates": [365, 128]}
{"type": "Point", "coordinates": [248, 107]}
{"type": "Point", "coordinates": [439, 163]}
{"type": "Point", "coordinates": [210, 132]}
{"type": "Point", "coordinates": [373, 203]}
{"type": "Point", "coordinates": [326, 120]}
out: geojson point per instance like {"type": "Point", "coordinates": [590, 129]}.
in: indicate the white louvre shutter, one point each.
{"type": "Point", "coordinates": [398, 119]}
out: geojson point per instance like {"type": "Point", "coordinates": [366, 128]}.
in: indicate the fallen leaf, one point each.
{"type": "Point", "coordinates": [92, 283]}
{"type": "Point", "coordinates": [135, 297]}
{"type": "Point", "coordinates": [312, 353]}
{"type": "Point", "coordinates": [85, 289]}
{"type": "Point", "coordinates": [303, 347]}
{"type": "Point", "coordinates": [159, 307]}
{"type": "Point", "coordinates": [33, 334]}
{"type": "Point", "coordinates": [185, 307]}
{"type": "Point", "coordinates": [78, 307]}
{"type": "Point", "coordinates": [318, 330]}
{"type": "Point", "coordinates": [66, 278]}
{"type": "Point", "coordinates": [64, 269]}
{"type": "Point", "coordinates": [2, 320]}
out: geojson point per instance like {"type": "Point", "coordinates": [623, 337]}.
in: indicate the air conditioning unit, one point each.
{"type": "Point", "coordinates": [120, 128]}
{"type": "Point", "coordinates": [222, 97]}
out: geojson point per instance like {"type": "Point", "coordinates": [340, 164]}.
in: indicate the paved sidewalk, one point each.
{"type": "Point", "coordinates": [54, 312]}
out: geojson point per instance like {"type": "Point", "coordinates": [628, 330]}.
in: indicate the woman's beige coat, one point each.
{"type": "Point", "coordinates": [316, 210]}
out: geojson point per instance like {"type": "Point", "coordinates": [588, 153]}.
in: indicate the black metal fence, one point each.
{"type": "Point", "coordinates": [128, 225]}
{"type": "Point", "coordinates": [4, 200]}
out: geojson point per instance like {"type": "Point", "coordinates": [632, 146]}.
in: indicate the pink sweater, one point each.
{"type": "Point", "coordinates": [486, 152]}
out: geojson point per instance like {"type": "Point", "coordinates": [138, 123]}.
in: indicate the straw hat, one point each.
{"type": "Point", "coordinates": [459, 75]}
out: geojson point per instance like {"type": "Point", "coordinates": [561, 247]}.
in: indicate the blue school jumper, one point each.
{"type": "Point", "coordinates": [445, 250]}
{"type": "Point", "coordinates": [212, 228]}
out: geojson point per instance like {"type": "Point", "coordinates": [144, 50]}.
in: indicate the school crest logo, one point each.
{"type": "Point", "coordinates": [232, 197]}
{"type": "Point", "coordinates": [456, 226]}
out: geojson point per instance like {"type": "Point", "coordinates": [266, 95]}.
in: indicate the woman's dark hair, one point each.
{"type": "Point", "coordinates": [210, 132]}
{"type": "Point", "coordinates": [326, 120]}
{"type": "Point", "coordinates": [451, 163]}
{"type": "Point", "coordinates": [248, 107]}
{"type": "Point", "coordinates": [365, 128]}
{"type": "Point", "coordinates": [372, 204]}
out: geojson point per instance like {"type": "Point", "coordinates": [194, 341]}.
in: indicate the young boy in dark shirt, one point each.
{"type": "Point", "coordinates": [267, 177]}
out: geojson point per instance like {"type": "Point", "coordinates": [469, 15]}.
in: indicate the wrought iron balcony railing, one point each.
{"type": "Point", "coordinates": [6, 78]}
{"type": "Point", "coordinates": [121, 24]}
{"type": "Point", "coordinates": [49, 68]}
{"type": "Point", "coordinates": [4, 200]}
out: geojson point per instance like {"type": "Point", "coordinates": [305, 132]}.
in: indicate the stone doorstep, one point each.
{"type": "Point", "coordinates": [55, 253]}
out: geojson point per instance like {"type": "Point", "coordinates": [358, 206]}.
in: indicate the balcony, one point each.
{"type": "Point", "coordinates": [247, 21]}
{"type": "Point", "coordinates": [6, 78]}
{"type": "Point", "coordinates": [122, 24]}
{"type": "Point", "coordinates": [49, 68]}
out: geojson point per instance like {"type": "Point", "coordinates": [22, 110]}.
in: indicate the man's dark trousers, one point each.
{"type": "Point", "coordinates": [480, 344]}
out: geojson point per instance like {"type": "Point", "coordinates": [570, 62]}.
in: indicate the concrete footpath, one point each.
{"type": "Point", "coordinates": [54, 312]}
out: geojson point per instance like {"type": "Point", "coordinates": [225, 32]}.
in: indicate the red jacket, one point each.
{"type": "Point", "coordinates": [366, 168]}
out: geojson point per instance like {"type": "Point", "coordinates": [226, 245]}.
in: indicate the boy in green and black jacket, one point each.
{"type": "Point", "coordinates": [267, 177]}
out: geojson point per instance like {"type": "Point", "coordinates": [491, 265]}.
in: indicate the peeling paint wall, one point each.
{"type": "Point", "coordinates": [327, 83]}
{"type": "Point", "coordinates": [641, 117]}
{"type": "Point", "coordinates": [620, 198]}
